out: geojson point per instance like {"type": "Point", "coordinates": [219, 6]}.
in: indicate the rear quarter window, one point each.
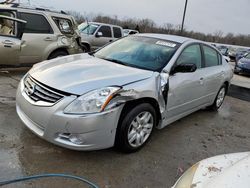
{"type": "Point", "coordinates": [64, 25]}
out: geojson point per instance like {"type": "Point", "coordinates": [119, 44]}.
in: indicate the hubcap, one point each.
{"type": "Point", "coordinates": [140, 129]}
{"type": "Point", "coordinates": [220, 97]}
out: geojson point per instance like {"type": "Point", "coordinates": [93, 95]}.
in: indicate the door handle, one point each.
{"type": "Point", "coordinates": [48, 39]}
{"type": "Point", "coordinates": [201, 80]}
{"type": "Point", "coordinates": [8, 42]}
{"type": "Point", "coordinates": [110, 40]}
{"type": "Point", "coordinates": [222, 73]}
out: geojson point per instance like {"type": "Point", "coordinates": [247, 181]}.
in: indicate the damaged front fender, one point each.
{"type": "Point", "coordinates": [155, 87]}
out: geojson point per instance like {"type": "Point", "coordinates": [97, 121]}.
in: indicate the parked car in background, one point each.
{"type": "Point", "coordinates": [120, 93]}
{"type": "Point", "coordinates": [224, 52]}
{"type": "Point", "coordinates": [227, 171]}
{"type": "Point", "coordinates": [47, 35]}
{"type": "Point", "coordinates": [232, 53]}
{"type": "Point", "coordinates": [95, 35]}
{"type": "Point", "coordinates": [240, 53]}
{"type": "Point", "coordinates": [127, 32]}
{"type": "Point", "coordinates": [243, 65]}
{"type": "Point", "coordinates": [223, 49]}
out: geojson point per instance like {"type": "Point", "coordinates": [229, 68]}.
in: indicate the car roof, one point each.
{"type": "Point", "coordinates": [174, 38]}
{"type": "Point", "coordinates": [99, 23]}
{"type": "Point", "coordinates": [33, 10]}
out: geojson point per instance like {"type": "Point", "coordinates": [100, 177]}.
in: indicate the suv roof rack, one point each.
{"type": "Point", "coordinates": [23, 6]}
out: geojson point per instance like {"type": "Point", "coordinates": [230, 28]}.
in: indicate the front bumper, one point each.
{"type": "Point", "coordinates": [97, 131]}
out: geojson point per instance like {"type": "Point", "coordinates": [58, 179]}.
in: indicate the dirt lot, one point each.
{"type": "Point", "coordinates": [171, 150]}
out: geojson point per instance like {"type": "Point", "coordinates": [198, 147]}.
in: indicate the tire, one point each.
{"type": "Point", "coordinates": [219, 98]}
{"type": "Point", "coordinates": [236, 72]}
{"type": "Point", "coordinates": [132, 125]}
{"type": "Point", "coordinates": [58, 53]}
{"type": "Point", "coordinates": [85, 48]}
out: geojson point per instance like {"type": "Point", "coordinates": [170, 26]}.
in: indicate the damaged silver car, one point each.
{"type": "Point", "coordinates": [117, 95]}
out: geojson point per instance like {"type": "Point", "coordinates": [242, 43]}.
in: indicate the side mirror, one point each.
{"type": "Point", "coordinates": [99, 34]}
{"type": "Point", "coordinates": [184, 68]}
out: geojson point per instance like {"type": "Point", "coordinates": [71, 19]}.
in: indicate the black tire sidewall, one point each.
{"type": "Point", "coordinates": [57, 54]}
{"type": "Point", "coordinates": [122, 130]}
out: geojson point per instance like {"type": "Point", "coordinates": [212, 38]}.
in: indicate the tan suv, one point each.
{"type": "Point", "coordinates": [46, 35]}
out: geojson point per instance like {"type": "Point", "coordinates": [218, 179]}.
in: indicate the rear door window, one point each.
{"type": "Point", "coordinates": [106, 31]}
{"type": "Point", "coordinates": [212, 58]}
{"type": "Point", "coordinates": [36, 23]}
{"type": "Point", "coordinates": [117, 32]}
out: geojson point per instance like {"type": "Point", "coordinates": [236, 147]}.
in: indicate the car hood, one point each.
{"type": "Point", "coordinates": [232, 170]}
{"type": "Point", "coordinates": [78, 74]}
{"type": "Point", "coordinates": [246, 62]}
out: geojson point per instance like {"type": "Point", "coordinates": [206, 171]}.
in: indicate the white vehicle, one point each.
{"type": "Point", "coordinates": [224, 171]}
{"type": "Point", "coordinates": [227, 58]}
{"type": "Point", "coordinates": [95, 35]}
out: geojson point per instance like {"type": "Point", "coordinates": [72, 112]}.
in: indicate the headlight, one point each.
{"type": "Point", "coordinates": [92, 102]}
{"type": "Point", "coordinates": [186, 179]}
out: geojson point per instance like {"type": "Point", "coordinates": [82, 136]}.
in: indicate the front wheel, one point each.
{"type": "Point", "coordinates": [219, 98]}
{"type": "Point", "coordinates": [136, 128]}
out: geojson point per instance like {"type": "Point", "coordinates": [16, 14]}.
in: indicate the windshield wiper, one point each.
{"type": "Point", "coordinates": [116, 61]}
{"type": "Point", "coordinates": [123, 63]}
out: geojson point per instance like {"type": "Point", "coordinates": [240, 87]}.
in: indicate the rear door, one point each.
{"type": "Point", "coordinates": [38, 35]}
{"type": "Point", "coordinates": [215, 73]}
{"type": "Point", "coordinates": [10, 39]}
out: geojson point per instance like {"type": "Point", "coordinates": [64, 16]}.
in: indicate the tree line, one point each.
{"type": "Point", "coordinates": [149, 26]}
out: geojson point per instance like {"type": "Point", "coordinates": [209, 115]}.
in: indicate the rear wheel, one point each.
{"type": "Point", "coordinates": [236, 71]}
{"type": "Point", "coordinates": [135, 128]}
{"type": "Point", "coordinates": [219, 98]}
{"type": "Point", "coordinates": [56, 54]}
{"type": "Point", "coordinates": [85, 48]}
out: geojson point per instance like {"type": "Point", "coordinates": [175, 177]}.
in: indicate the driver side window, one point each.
{"type": "Point", "coordinates": [190, 55]}
{"type": "Point", "coordinates": [7, 26]}
{"type": "Point", "coordinates": [106, 31]}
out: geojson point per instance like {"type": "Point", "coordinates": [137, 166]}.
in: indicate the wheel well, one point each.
{"type": "Point", "coordinates": [87, 45]}
{"type": "Point", "coordinates": [58, 50]}
{"type": "Point", "coordinates": [131, 104]}
{"type": "Point", "coordinates": [227, 86]}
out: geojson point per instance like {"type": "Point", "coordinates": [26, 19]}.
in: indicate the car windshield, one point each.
{"type": "Point", "coordinates": [87, 28]}
{"type": "Point", "coordinates": [223, 50]}
{"type": "Point", "coordinates": [140, 52]}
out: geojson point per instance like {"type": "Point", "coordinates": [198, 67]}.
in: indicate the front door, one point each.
{"type": "Point", "coordinates": [186, 90]}
{"type": "Point", "coordinates": [10, 48]}
{"type": "Point", "coordinates": [106, 37]}
{"type": "Point", "coordinates": [10, 39]}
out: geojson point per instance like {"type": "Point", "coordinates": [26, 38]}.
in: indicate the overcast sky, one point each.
{"type": "Point", "coordinates": [202, 15]}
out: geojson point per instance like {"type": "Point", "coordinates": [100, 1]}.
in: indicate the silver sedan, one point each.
{"type": "Point", "coordinates": [117, 95]}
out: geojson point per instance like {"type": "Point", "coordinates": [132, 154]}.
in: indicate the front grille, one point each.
{"type": "Point", "coordinates": [40, 93]}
